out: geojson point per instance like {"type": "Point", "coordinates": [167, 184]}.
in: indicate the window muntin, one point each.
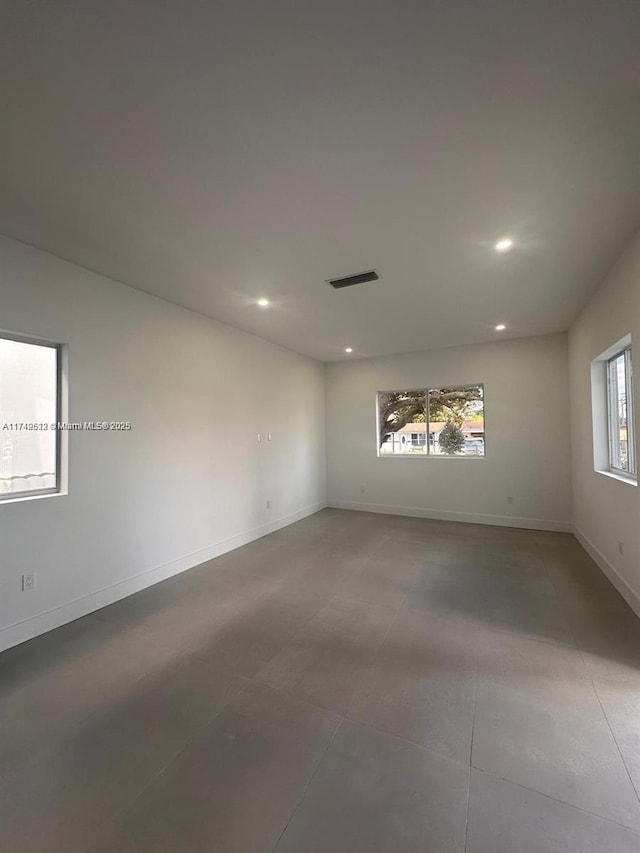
{"type": "Point", "coordinates": [620, 414]}
{"type": "Point", "coordinates": [445, 421]}
{"type": "Point", "coordinates": [29, 414]}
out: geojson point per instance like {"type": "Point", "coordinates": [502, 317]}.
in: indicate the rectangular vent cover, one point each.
{"type": "Point", "coordinates": [350, 280]}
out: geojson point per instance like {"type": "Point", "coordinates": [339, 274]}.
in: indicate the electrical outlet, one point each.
{"type": "Point", "coordinates": [621, 548]}
{"type": "Point", "coordinates": [510, 499]}
{"type": "Point", "coordinates": [28, 582]}
{"type": "Point", "coordinates": [259, 436]}
{"type": "Point", "coordinates": [268, 436]}
{"type": "Point", "coordinates": [268, 504]}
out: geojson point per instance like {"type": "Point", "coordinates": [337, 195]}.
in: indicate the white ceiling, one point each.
{"type": "Point", "coordinates": [215, 152]}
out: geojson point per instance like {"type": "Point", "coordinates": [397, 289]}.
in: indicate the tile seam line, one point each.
{"type": "Point", "coordinates": [558, 644]}
{"type": "Point", "coordinates": [356, 722]}
{"type": "Point", "coordinates": [308, 785]}
{"type": "Point", "coordinates": [605, 715]}
{"type": "Point", "coordinates": [118, 820]}
{"type": "Point", "coordinates": [557, 800]}
{"type": "Point", "coordinates": [473, 730]}
{"type": "Point", "coordinates": [597, 695]}
{"type": "Point", "coordinates": [85, 719]}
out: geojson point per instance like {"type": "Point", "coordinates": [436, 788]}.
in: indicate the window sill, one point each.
{"type": "Point", "coordinates": [23, 497]}
{"type": "Point", "coordinates": [623, 478]}
{"type": "Point", "coordinates": [426, 456]}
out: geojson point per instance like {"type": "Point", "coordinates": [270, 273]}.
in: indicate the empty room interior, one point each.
{"type": "Point", "coordinates": [319, 509]}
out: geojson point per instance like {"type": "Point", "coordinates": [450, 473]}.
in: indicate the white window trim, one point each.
{"type": "Point", "coordinates": [601, 414]}
{"type": "Point", "coordinates": [62, 438]}
{"type": "Point", "coordinates": [612, 401]}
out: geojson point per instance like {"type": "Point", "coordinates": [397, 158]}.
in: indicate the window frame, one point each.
{"type": "Point", "coordinates": [56, 489]}
{"type": "Point", "coordinates": [427, 445]}
{"type": "Point", "coordinates": [613, 424]}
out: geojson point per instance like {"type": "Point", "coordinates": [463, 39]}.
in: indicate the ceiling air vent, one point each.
{"type": "Point", "coordinates": [350, 280]}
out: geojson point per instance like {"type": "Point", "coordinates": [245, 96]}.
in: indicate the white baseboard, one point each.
{"type": "Point", "coordinates": [627, 592]}
{"type": "Point", "coordinates": [12, 635]}
{"type": "Point", "coordinates": [467, 517]}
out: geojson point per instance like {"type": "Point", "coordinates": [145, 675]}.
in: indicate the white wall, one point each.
{"type": "Point", "coordinates": [606, 511]}
{"type": "Point", "coordinates": [527, 436]}
{"type": "Point", "coordinates": [189, 481]}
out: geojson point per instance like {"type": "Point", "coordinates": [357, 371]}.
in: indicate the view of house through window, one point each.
{"type": "Point", "coordinates": [620, 394]}
{"type": "Point", "coordinates": [434, 421]}
{"type": "Point", "coordinates": [28, 410]}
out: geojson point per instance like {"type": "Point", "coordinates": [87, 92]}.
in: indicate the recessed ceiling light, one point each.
{"type": "Point", "coordinates": [500, 327]}
{"type": "Point", "coordinates": [263, 303]}
{"type": "Point", "coordinates": [504, 244]}
{"type": "Point", "coordinates": [348, 349]}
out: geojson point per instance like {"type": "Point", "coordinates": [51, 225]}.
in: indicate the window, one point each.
{"type": "Point", "coordinates": [620, 413]}
{"type": "Point", "coordinates": [431, 422]}
{"type": "Point", "coordinates": [612, 411]}
{"type": "Point", "coordinates": [29, 414]}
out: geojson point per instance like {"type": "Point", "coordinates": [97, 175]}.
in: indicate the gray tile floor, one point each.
{"type": "Point", "coordinates": [354, 683]}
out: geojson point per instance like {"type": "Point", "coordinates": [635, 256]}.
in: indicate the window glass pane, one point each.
{"type": "Point", "coordinates": [456, 421]}
{"type": "Point", "coordinates": [402, 423]}
{"type": "Point", "coordinates": [630, 416]}
{"type": "Point", "coordinates": [28, 393]}
{"type": "Point", "coordinates": [618, 437]}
